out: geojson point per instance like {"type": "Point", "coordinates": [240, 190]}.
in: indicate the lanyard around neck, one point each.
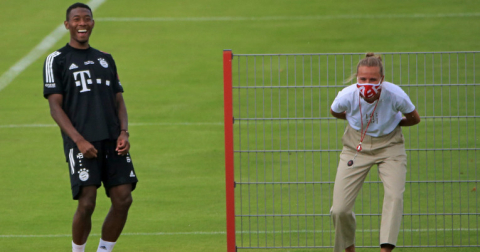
{"type": "Point", "coordinates": [362, 133]}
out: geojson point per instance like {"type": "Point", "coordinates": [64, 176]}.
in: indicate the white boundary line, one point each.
{"type": "Point", "coordinates": [58, 33]}
{"type": "Point", "coordinates": [240, 232]}
{"type": "Point", "coordinates": [131, 124]}
{"type": "Point", "coordinates": [177, 124]}
{"type": "Point", "coordinates": [280, 18]}
{"type": "Point", "coordinates": [38, 50]}
{"type": "Point", "coordinates": [124, 234]}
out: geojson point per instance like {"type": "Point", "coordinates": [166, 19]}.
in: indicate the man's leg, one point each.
{"type": "Point", "coordinates": [82, 220]}
{"type": "Point", "coordinates": [121, 197]}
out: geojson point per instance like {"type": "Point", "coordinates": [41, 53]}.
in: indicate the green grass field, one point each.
{"type": "Point", "coordinates": [170, 65]}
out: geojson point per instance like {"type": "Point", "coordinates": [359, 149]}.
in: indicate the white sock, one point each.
{"type": "Point", "coordinates": [78, 248]}
{"type": "Point", "coordinates": [105, 246]}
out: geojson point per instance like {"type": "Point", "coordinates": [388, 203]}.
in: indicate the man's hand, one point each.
{"type": "Point", "coordinates": [86, 148]}
{"type": "Point", "coordinates": [123, 146]}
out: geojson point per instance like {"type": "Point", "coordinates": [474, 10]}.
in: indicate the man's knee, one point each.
{"type": "Point", "coordinates": [87, 200]}
{"type": "Point", "coordinates": [121, 197]}
{"type": "Point", "coordinates": [86, 207]}
{"type": "Point", "coordinates": [123, 203]}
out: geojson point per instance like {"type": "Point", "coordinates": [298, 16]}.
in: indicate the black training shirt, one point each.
{"type": "Point", "coordinates": [88, 81]}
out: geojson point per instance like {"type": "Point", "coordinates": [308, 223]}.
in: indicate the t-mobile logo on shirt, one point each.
{"type": "Point", "coordinates": [82, 78]}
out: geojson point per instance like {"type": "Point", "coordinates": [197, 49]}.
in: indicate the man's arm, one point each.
{"type": "Point", "coordinates": [342, 115]}
{"type": "Point", "coordinates": [58, 114]}
{"type": "Point", "coordinates": [410, 119]}
{"type": "Point", "coordinates": [123, 145]}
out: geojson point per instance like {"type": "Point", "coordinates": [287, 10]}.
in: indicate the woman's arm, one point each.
{"type": "Point", "coordinates": [342, 115]}
{"type": "Point", "coordinates": [410, 119]}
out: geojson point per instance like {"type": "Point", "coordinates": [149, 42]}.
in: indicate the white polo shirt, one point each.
{"type": "Point", "coordinates": [392, 104]}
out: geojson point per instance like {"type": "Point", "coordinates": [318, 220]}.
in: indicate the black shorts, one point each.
{"type": "Point", "coordinates": [108, 167]}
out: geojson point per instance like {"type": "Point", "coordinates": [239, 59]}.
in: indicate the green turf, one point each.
{"type": "Point", "coordinates": [172, 75]}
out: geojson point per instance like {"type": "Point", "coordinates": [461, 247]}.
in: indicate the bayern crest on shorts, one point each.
{"type": "Point", "coordinates": [83, 174]}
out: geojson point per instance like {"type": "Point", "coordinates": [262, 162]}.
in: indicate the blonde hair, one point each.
{"type": "Point", "coordinates": [370, 60]}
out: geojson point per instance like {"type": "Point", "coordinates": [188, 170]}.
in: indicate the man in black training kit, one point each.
{"type": "Point", "coordinates": [85, 98]}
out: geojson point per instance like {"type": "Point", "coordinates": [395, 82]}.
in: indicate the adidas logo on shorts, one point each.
{"type": "Point", "coordinates": [132, 175]}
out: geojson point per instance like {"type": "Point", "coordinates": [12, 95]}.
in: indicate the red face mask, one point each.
{"type": "Point", "coordinates": [369, 90]}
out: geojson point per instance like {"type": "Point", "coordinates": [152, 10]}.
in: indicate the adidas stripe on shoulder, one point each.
{"type": "Point", "coordinates": [48, 67]}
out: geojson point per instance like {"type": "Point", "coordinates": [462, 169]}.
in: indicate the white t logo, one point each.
{"type": "Point", "coordinates": [83, 81]}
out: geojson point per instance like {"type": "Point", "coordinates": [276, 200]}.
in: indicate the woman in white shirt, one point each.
{"type": "Point", "coordinates": [375, 110]}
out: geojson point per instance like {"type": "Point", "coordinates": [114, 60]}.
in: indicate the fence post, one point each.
{"type": "Point", "coordinates": [229, 169]}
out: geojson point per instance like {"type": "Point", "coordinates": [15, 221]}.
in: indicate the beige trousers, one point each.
{"type": "Point", "coordinates": [389, 153]}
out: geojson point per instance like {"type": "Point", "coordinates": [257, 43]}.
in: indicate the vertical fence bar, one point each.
{"type": "Point", "coordinates": [475, 143]}
{"type": "Point", "coordinates": [229, 165]}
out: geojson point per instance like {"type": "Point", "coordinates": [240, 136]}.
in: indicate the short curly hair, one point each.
{"type": "Point", "coordinates": [78, 5]}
